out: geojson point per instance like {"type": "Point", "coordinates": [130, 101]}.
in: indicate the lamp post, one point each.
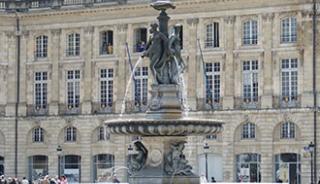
{"type": "Point", "coordinates": [310, 149]}
{"type": "Point", "coordinates": [206, 149]}
{"type": "Point", "coordinates": [59, 153]}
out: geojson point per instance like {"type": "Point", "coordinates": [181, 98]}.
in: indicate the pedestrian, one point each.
{"type": "Point", "coordinates": [115, 179]}
{"type": "Point", "coordinates": [213, 180]}
{"type": "Point", "coordinates": [3, 180]}
{"type": "Point", "coordinates": [24, 181]}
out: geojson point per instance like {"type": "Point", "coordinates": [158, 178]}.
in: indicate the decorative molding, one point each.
{"type": "Point", "coordinates": [229, 19]}
{"type": "Point", "coordinates": [268, 16]}
{"type": "Point", "coordinates": [56, 32]}
{"type": "Point", "coordinates": [122, 28]}
{"type": "Point", "coordinates": [88, 30]}
{"type": "Point", "coordinates": [193, 21]}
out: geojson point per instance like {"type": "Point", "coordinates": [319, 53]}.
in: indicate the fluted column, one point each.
{"type": "Point", "coordinates": [228, 97]}
{"type": "Point", "coordinates": [56, 56]}
{"type": "Point", "coordinates": [88, 53]}
{"type": "Point", "coordinates": [191, 45]}
{"type": "Point", "coordinates": [122, 65]}
{"type": "Point", "coordinates": [266, 64]}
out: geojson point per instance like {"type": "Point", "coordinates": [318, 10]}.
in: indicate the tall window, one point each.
{"type": "Point", "coordinates": [106, 87]}
{"type": "Point", "coordinates": [178, 29]}
{"type": "Point", "coordinates": [106, 42]}
{"type": "Point", "coordinates": [70, 134]}
{"type": "Point", "coordinates": [250, 32]}
{"type": "Point", "coordinates": [103, 134]}
{"type": "Point", "coordinates": [73, 44]}
{"type": "Point", "coordinates": [289, 30]}
{"type": "Point", "coordinates": [212, 83]}
{"type": "Point", "coordinates": [140, 39]}
{"type": "Point", "coordinates": [141, 86]}
{"type": "Point", "coordinates": [38, 167]}
{"type": "Point", "coordinates": [289, 80]}
{"type": "Point", "coordinates": [212, 35]}
{"type": "Point", "coordinates": [40, 90]}
{"type": "Point", "coordinates": [101, 163]}
{"type": "Point", "coordinates": [73, 88]}
{"type": "Point", "coordinates": [248, 131]}
{"type": "Point", "coordinates": [288, 130]}
{"type": "Point", "coordinates": [42, 46]}
{"type": "Point", "coordinates": [37, 135]}
{"type": "Point", "coordinates": [250, 81]}
{"type": "Point", "coordinates": [287, 168]}
{"type": "Point", "coordinates": [248, 168]}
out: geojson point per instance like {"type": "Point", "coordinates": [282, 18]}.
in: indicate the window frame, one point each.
{"type": "Point", "coordinates": [248, 131]}
{"type": "Point", "coordinates": [213, 74]}
{"type": "Point", "coordinates": [252, 74]}
{"type": "Point", "coordinates": [288, 130]}
{"type": "Point", "coordinates": [214, 34]}
{"type": "Point", "coordinates": [37, 135]}
{"type": "Point", "coordinates": [40, 87]}
{"type": "Point", "coordinates": [106, 81]}
{"type": "Point", "coordinates": [104, 39]}
{"type": "Point", "coordinates": [42, 43]}
{"type": "Point", "coordinates": [250, 37]}
{"type": "Point", "coordinates": [73, 44]}
{"type": "Point", "coordinates": [74, 81]}
{"type": "Point", "coordinates": [141, 80]}
{"type": "Point", "coordinates": [289, 72]}
{"type": "Point", "coordinates": [70, 134]}
{"type": "Point", "coordinates": [289, 35]}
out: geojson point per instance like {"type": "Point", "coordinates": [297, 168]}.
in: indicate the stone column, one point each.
{"type": "Point", "coordinates": [87, 74]}
{"type": "Point", "coordinates": [266, 64]}
{"type": "Point", "coordinates": [12, 73]}
{"type": "Point", "coordinates": [56, 57]}
{"type": "Point", "coordinates": [121, 74]}
{"type": "Point", "coordinates": [191, 45]}
{"type": "Point", "coordinates": [23, 72]}
{"type": "Point", "coordinates": [228, 99]}
{"type": "Point", "coordinates": [304, 40]}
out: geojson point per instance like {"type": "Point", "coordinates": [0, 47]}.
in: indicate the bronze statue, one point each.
{"type": "Point", "coordinates": [138, 160]}
{"type": "Point", "coordinates": [165, 57]}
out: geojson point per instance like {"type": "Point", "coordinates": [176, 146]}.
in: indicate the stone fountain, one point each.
{"type": "Point", "coordinates": [160, 158]}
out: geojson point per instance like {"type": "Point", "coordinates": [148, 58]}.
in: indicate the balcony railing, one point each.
{"type": "Point", "coordinates": [287, 101]}
{"type": "Point", "coordinates": [135, 107]}
{"type": "Point", "coordinates": [25, 5]}
{"type": "Point", "coordinates": [37, 110]}
{"type": "Point", "coordinates": [209, 104]}
{"type": "Point", "coordinates": [247, 103]}
{"type": "Point", "coordinates": [65, 109]}
{"type": "Point", "coordinates": [102, 108]}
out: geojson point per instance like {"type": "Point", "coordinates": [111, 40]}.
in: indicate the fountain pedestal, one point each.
{"type": "Point", "coordinates": [160, 152]}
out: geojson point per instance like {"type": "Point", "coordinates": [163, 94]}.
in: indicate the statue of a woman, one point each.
{"type": "Point", "coordinates": [158, 52]}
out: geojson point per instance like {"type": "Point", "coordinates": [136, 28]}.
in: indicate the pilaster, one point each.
{"type": "Point", "coordinates": [228, 100]}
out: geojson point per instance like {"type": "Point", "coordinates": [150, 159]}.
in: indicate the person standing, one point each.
{"type": "Point", "coordinates": [24, 180]}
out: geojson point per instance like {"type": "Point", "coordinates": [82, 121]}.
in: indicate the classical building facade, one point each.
{"type": "Point", "coordinates": [64, 67]}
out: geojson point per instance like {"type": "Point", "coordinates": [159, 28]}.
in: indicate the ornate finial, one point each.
{"type": "Point", "coordinates": [162, 5]}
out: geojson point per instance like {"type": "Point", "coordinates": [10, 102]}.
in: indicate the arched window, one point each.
{"type": "Point", "coordinates": [101, 163]}
{"type": "Point", "coordinates": [73, 44]}
{"type": "Point", "coordinates": [38, 167]}
{"type": "Point", "coordinates": [71, 168]}
{"type": "Point", "coordinates": [250, 32]}
{"type": "Point", "coordinates": [287, 168]}
{"type": "Point", "coordinates": [41, 46]}
{"type": "Point", "coordinates": [288, 130]}
{"type": "Point", "coordinates": [288, 30]}
{"type": "Point", "coordinates": [248, 167]}
{"type": "Point", "coordinates": [248, 131]}
{"type": "Point", "coordinates": [103, 134]}
{"type": "Point", "coordinates": [37, 134]}
{"type": "Point", "coordinates": [106, 42]}
{"type": "Point", "coordinates": [70, 134]}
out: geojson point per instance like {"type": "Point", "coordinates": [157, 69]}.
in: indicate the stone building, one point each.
{"type": "Point", "coordinates": [64, 68]}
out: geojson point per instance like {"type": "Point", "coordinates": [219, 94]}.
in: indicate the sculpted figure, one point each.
{"type": "Point", "coordinates": [138, 160]}
{"type": "Point", "coordinates": [165, 56]}
{"type": "Point", "coordinates": [175, 161]}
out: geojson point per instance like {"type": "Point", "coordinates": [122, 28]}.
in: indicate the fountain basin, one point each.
{"type": "Point", "coordinates": [164, 127]}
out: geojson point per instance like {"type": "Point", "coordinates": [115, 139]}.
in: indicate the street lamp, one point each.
{"type": "Point", "coordinates": [205, 150]}
{"type": "Point", "coordinates": [310, 148]}
{"type": "Point", "coordinates": [59, 153]}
